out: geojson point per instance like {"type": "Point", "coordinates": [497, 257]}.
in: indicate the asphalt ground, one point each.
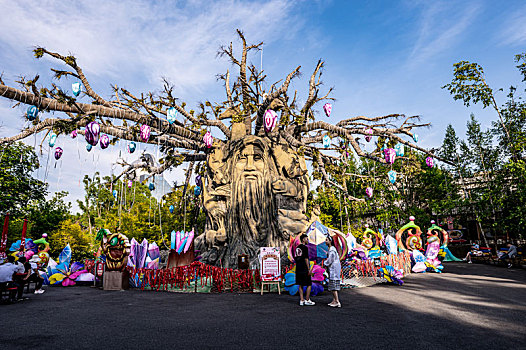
{"type": "Point", "coordinates": [466, 307]}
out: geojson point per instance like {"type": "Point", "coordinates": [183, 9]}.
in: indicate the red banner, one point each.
{"type": "Point", "coordinates": [3, 241]}
{"type": "Point", "coordinates": [23, 240]}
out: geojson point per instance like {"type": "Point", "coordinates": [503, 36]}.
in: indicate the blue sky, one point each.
{"type": "Point", "coordinates": [381, 57]}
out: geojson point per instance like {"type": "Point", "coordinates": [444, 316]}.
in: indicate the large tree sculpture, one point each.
{"type": "Point", "coordinates": [255, 179]}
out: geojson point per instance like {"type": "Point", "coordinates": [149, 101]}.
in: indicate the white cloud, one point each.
{"type": "Point", "coordinates": [514, 32]}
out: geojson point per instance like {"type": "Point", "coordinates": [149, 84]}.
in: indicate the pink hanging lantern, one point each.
{"type": "Point", "coordinates": [130, 183]}
{"type": "Point", "coordinates": [74, 134]}
{"type": "Point", "coordinates": [271, 119]}
{"type": "Point", "coordinates": [369, 192]}
{"type": "Point", "coordinates": [104, 141]}
{"type": "Point", "coordinates": [368, 132]}
{"type": "Point", "coordinates": [92, 133]}
{"type": "Point", "coordinates": [429, 162]}
{"type": "Point", "coordinates": [327, 108]}
{"type": "Point", "coordinates": [208, 139]}
{"type": "Point", "coordinates": [58, 153]}
{"type": "Point", "coordinates": [145, 132]}
{"type": "Point", "coordinates": [390, 155]}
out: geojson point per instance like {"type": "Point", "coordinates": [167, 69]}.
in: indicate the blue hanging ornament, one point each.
{"type": "Point", "coordinates": [88, 147]}
{"type": "Point", "coordinates": [172, 209]}
{"type": "Point", "coordinates": [52, 139]}
{"type": "Point", "coordinates": [415, 137]}
{"type": "Point", "coordinates": [171, 113]}
{"type": "Point", "coordinates": [76, 88]}
{"type": "Point", "coordinates": [32, 113]}
{"type": "Point", "coordinates": [151, 186]}
{"type": "Point", "coordinates": [197, 190]}
{"type": "Point", "coordinates": [400, 150]}
{"type": "Point", "coordinates": [115, 194]}
{"type": "Point", "coordinates": [326, 141]}
{"type": "Point", "coordinates": [132, 146]}
{"type": "Point", "coordinates": [392, 176]}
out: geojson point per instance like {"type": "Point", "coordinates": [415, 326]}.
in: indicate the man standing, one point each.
{"type": "Point", "coordinates": [303, 275]}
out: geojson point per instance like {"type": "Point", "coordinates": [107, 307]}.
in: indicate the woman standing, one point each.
{"type": "Point", "coordinates": [335, 268]}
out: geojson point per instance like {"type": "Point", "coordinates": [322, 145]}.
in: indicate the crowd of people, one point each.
{"type": "Point", "coordinates": [15, 275]}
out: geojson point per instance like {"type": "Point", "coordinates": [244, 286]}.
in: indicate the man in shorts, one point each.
{"type": "Point", "coordinates": [303, 275]}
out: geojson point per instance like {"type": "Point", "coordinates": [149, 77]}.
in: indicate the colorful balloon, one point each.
{"type": "Point", "coordinates": [76, 88]}
{"type": "Point", "coordinates": [58, 153]}
{"type": "Point", "coordinates": [145, 132]}
{"type": "Point", "coordinates": [390, 155]}
{"type": "Point", "coordinates": [88, 147]}
{"type": "Point", "coordinates": [151, 186]}
{"type": "Point", "coordinates": [74, 134]}
{"type": "Point", "coordinates": [270, 120]}
{"type": "Point", "coordinates": [132, 146]}
{"type": "Point", "coordinates": [115, 194]}
{"type": "Point", "coordinates": [52, 139]}
{"type": "Point", "coordinates": [400, 150]}
{"type": "Point", "coordinates": [392, 176]}
{"type": "Point", "coordinates": [171, 113]}
{"type": "Point", "coordinates": [327, 108]}
{"type": "Point", "coordinates": [429, 162]}
{"type": "Point", "coordinates": [197, 190]}
{"type": "Point", "coordinates": [198, 180]}
{"type": "Point", "coordinates": [326, 141]}
{"type": "Point", "coordinates": [208, 139]}
{"type": "Point", "coordinates": [172, 208]}
{"type": "Point", "coordinates": [32, 113]}
{"type": "Point", "coordinates": [415, 137]}
{"type": "Point", "coordinates": [368, 132]}
{"type": "Point", "coordinates": [130, 183]}
{"type": "Point", "coordinates": [92, 133]}
{"type": "Point", "coordinates": [104, 141]}
{"type": "Point", "coordinates": [369, 192]}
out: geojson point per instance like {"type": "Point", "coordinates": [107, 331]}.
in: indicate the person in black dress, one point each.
{"type": "Point", "coordinates": [303, 275]}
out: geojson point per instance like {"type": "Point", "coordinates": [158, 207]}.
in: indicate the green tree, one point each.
{"type": "Point", "coordinates": [82, 243]}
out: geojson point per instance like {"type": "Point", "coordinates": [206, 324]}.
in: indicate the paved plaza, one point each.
{"type": "Point", "coordinates": [467, 307]}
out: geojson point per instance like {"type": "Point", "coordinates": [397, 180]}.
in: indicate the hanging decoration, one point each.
{"type": "Point", "coordinates": [327, 141]}
{"type": "Point", "coordinates": [145, 133]}
{"type": "Point", "coordinates": [368, 133]}
{"type": "Point", "coordinates": [88, 147]}
{"type": "Point", "coordinates": [392, 176]}
{"type": "Point", "coordinates": [327, 108]}
{"type": "Point", "coordinates": [104, 141]}
{"type": "Point", "coordinates": [58, 153]}
{"type": "Point", "coordinates": [115, 194]}
{"type": "Point", "coordinates": [369, 192]}
{"type": "Point", "coordinates": [415, 137]}
{"type": "Point", "coordinates": [76, 88]}
{"type": "Point", "coordinates": [32, 113]}
{"type": "Point", "coordinates": [197, 190]}
{"type": "Point", "coordinates": [271, 119]}
{"type": "Point", "coordinates": [198, 180]}
{"type": "Point", "coordinates": [151, 186]}
{"type": "Point", "coordinates": [400, 150]}
{"type": "Point", "coordinates": [52, 139]}
{"type": "Point", "coordinates": [171, 113]}
{"type": "Point", "coordinates": [429, 162]}
{"type": "Point", "coordinates": [390, 155]}
{"type": "Point", "coordinates": [172, 208]}
{"type": "Point", "coordinates": [74, 134]}
{"type": "Point", "coordinates": [208, 139]}
{"type": "Point", "coordinates": [132, 146]}
{"type": "Point", "coordinates": [92, 133]}
{"type": "Point", "coordinates": [130, 183]}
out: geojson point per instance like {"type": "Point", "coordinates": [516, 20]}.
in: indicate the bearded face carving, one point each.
{"type": "Point", "coordinates": [116, 247]}
{"type": "Point", "coordinates": [254, 196]}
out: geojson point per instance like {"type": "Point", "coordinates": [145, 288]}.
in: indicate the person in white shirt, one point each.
{"type": "Point", "coordinates": [335, 269]}
{"type": "Point", "coordinates": [7, 271]}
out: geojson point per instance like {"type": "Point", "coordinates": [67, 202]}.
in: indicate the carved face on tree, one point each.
{"type": "Point", "coordinates": [116, 246]}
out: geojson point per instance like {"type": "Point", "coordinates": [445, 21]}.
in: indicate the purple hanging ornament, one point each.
{"type": "Point", "coordinates": [74, 134]}
{"type": "Point", "coordinates": [92, 133]}
{"type": "Point", "coordinates": [104, 141]}
{"type": "Point", "coordinates": [270, 120]}
{"type": "Point", "coordinates": [145, 132]}
{"type": "Point", "coordinates": [130, 183]}
{"type": "Point", "coordinates": [198, 180]}
{"type": "Point", "coordinates": [327, 108]}
{"type": "Point", "coordinates": [58, 153]}
{"type": "Point", "coordinates": [208, 139]}
{"type": "Point", "coordinates": [369, 192]}
{"type": "Point", "coordinates": [368, 132]}
{"type": "Point", "coordinates": [429, 162]}
{"type": "Point", "coordinates": [390, 155]}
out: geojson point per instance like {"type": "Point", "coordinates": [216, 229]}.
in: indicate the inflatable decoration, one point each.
{"type": "Point", "coordinates": [390, 155]}
{"type": "Point", "coordinates": [116, 247]}
{"type": "Point", "coordinates": [64, 272]}
{"type": "Point", "coordinates": [392, 176]}
{"type": "Point", "coordinates": [208, 139]}
{"type": "Point", "coordinates": [104, 141]}
{"type": "Point", "coordinates": [340, 243]}
{"type": "Point", "coordinates": [172, 208]}
{"type": "Point", "coordinates": [131, 147]}
{"type": "Point", "coordinates": [432, 255]}
{"type": "Point", "coordinates": [369, 238]}
{"type": "Point", "coordinates": [92, 133]}
{"type": "Point", "coordinates": [391, 244]}
{"type": "Point", "coordinates": [130, 183]}
{"type": "Point", "coordinates": [433, 234]}
{"type": "Point", "coordinates": [52, 139]}
{"type": "Point", "coordinates": [270, 120]}
{"type": "Point", "coordinates": [76, 88]}
{"type": "Point", "coordinates": [326, 141]}
{"type": "Point", "coordinates": [420, 261]}
{"type": "Point", "coordinates": [198, 180]}
{"type": "Point", "coordinates": [391, 275]}
{"type": "Point", "coordinates": [172, 239]}
{"type": "Point", "coordinates": [171, 113]}
{"type": "Point", "coordinates": [152, 260]}
{"type": "Point", "coordinates": [138, 253]}
{"type": "Point", "coordinates": [413, 241]}
{"type": "Point", "coordinates": [58, 153]}
{"type": "Point", "coordinates": [145, 133]}
{"type": "Point", "coordinates": [317, 278]}
{"type": "Point", "coordinates": [369, 192]}
{"type": "Point", "coordinates": [368, 132]}
{"type": "Point", "coordinates": [114, 194]}
{"type": "Point", "coordinates": [429, 162]}
{"type": "Point", "coordinates": [151, 186]}
{"type": "Point", "coordinates": [74, 134]}
{"type": "Point", "coordinates": [32, 113]}
{"type": "Point", "coordinates": [415, 137]}
{"type": "Point", "coordinates": [327, 108]}
{"type": "Point", "coordinates": [400, 150]}
{"type": "Point", "coordinates": [88, 147]}
{"type": "Point", "coordinates": [197, 190]}
{"type": "Point", "coordinates": [351, 241]}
